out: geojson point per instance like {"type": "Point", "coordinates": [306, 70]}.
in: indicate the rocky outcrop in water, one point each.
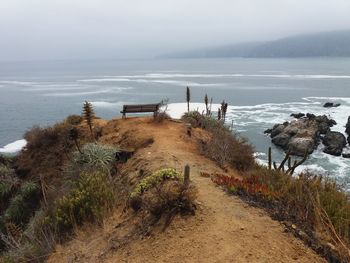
{"type": "Point", "coordinates": [297, 115]}
{"type": "Point", "coordinates": [334, 142]}
{"type": "Point", "coordinates": [304, 134]}
{"type": "Point", "coordinates": [331, 105]}
{"type": "Point", "coordinates": [347, 129]}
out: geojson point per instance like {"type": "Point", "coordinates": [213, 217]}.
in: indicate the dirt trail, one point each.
{"type": "Point", "coordinates": [224, 229]}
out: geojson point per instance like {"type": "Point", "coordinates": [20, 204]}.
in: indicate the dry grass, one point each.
{"type": "Point", "coordinates": [316, 204]}
{"type": "Point", "coordinates": [225, 148]}
{"type": "Point", "coordinates": [161, 117]}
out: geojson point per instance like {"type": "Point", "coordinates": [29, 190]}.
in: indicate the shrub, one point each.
{"type": "Point", "coordinates": [4, 170]}
{"type": "Point", "coordinates": [7, 160]}
{"type": "Point", "coordinates": [91, 196]}
{"type": "Point", "coordinates": [223, 146]}
{"type": "Point", "coordinates": [45, 152]}
{"type": "Point", "coordinates": [154, 179]}
{"type": "Point", "coordinates": [31, 246]}
{"type": "Point", "coordinates": [74, 120]}
{"type": "Point", "coordinates": [198, 120]}
{"type": "Point", "coordinates": [163, 192]}
{"type": "Point", "coordinates": [6, 191]}
{"type": "Point", "coordinates": [161, 116]}
{"type": "Point", "coordinates": [22, 206]}
{"type": "Point", "coordinates": [39, 137]}
{"type": "Point", "coordinates": [225, 149]}
{"type": "Point", "coordinates": [169, 197]}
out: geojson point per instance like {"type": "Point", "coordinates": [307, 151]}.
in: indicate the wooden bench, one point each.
{"type": "Point", "coordinates": [139, 108]}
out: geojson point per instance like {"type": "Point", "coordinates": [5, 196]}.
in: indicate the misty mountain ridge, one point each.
{"type": "Point", "coordinates": [324, 44]}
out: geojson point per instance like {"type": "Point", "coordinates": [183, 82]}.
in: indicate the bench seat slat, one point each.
{"type": "Point", "coordinates": [140, 108]}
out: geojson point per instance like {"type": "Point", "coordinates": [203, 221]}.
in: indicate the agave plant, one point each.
{"type": "Point", "coordinates": [95, 156]}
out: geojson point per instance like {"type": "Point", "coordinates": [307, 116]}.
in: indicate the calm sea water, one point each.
{"type": "Point", "coordinates": [260, 92]}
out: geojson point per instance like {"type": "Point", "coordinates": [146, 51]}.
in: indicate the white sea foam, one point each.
{"type": "Point", "coordinates": [327, 99]}
{"type": "Point", "coordinates": [151, 80]}
{"type": "Point", "coordinates": [15, 82]}
{"type": "Point", "coordinates": [106, 104]}
{"type": "Point", "coordinates": [233, 75]}
{"type": "Point", "coordinates": [263, 116]}
{"type": "Point", "coordinates": [266, 115]}
{"type": "Point", "coordinates": [176, 110]}
{"type": "Point", "coordinates": [101, 91]}
{"type": "Point", "coordinates": [14, 147]}
{"type": "Point", "coordinates": [67, 94]}
{"type": "Point", "coordinates": [115, 79]}
{"type": "Point", "coordinates": [57, 89]}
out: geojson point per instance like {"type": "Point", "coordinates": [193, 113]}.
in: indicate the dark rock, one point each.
{"type": "Point", "coordinates": [333, 150]}
{"type": "Point", "coordinates": [347, 126]}
{"type": "Point", "coordinates": [268, 131]}
{"type": "Point", "coordinates": [325, 119]}
{"type": "Point", "coordinates": [323, 128]}
{"type": "Point", "coordinates": [299, 146]}
{"type": "Point", "coordinates": [347, 130]}
{"type": "Point", "coordinates": [277, 130]}
{"type": "Point", "coordinates": [310, 116]}
{"type": "Point", "coordinates": [334, 138]}
{"type": "Point", "coordinates": [281, 140]}
{"type": "Point", "coordinates": [346, 155]}
{"type": "Point", "coordinates": [334, 142]}
{"type": "Point", "coordinates": [331, 104]}
{"type": "Point", "coordinates": [297, 115]}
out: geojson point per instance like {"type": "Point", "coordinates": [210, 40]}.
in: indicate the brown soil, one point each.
{"type": "Point", "coordinates": [224, 228]}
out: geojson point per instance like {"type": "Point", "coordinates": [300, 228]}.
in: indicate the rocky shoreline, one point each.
{"type": "Point", "coordinates": [306, 132]}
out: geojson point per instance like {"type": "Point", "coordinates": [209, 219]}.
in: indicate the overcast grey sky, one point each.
{"type": "Point", "coordinates": [50, 29]}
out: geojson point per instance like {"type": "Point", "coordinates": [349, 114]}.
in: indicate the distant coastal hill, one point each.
{"type": "Point", "coordinates": [325, 44]}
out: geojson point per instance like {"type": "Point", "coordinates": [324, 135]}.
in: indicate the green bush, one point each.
{"type": "Point", "coordinates": [6, 191]}
{"type": "Point", "coordinates": [23, 204]}
{"type": "Point", "coordinates": [91, 196]}
{"type": "Point", "coordinates": [4, 170]}
{"type": "Point", "coordinates": [163, 192]}
{"type": "Point", "coordinates": [198, 120]}
{"type": "Point", "coordinates": [154, 179]}
{"type": "Point", "coordinates": [7, 160]}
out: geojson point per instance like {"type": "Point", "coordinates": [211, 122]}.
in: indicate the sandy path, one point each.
{"type": "Point", "coordinates": [224, 229]}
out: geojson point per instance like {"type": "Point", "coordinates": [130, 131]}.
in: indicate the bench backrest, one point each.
{"type": "Point", "coordinates": [141, 108]}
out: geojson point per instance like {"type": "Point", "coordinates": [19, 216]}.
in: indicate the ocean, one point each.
{"type": "Point", "coordinates": [260, 92]}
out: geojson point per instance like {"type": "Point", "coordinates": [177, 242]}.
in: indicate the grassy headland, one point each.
{"type": "Point", "coordinates": [74, 173]}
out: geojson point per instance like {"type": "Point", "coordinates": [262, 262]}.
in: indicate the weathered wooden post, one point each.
{"type": "Point", "coordinates": [187, 176]}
